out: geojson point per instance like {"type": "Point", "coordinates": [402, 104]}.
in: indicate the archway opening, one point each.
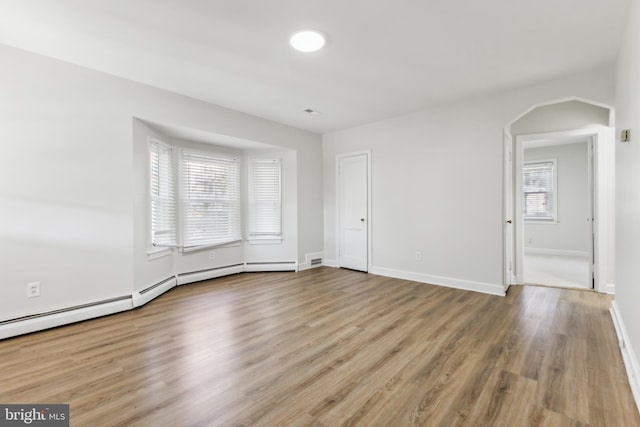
{"type": "Point", "coordinates": [558, 194]}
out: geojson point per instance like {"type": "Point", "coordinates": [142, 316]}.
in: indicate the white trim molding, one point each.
{"type": "Point", "coordinates": [330, 263]}
{"type": "Point", "coordinates": [311, 261]}
{"type": "Point", "coordinates": [558, 252]}
{"type": "Point", "coordinates": [66, 316]}
{"type": "Point", "coordinates": [467, 285]}
{"type": "Point", "coordinates": [628, 355]}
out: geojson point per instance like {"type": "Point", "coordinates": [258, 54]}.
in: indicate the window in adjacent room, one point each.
{"type": "Point", "coordinates": [539, 190]}
{"type": "Point", "coordinates": [210, 199]}
{"type": "Point", "coordinates": [265, 204]}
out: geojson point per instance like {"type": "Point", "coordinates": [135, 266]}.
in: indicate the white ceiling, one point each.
{"type": "Point", "coordinates": [383, 58]}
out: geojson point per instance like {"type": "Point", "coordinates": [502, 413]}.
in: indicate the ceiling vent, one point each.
{"type": "Point", "coordinates": [312, 111]}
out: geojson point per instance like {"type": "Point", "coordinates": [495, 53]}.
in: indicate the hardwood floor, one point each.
{"type": "Point", "coordinates": [329, 347]}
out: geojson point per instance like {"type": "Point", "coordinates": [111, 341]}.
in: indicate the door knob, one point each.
{"type": "Point", "coordinates": [361, 219]}
{"type": "Point", "coordinates": [508, 221]}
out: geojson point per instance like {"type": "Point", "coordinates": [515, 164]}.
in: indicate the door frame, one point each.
{"type": "Point", "coordinates": [591, 175]}
{"type": "Point", "coordinates": [366, 153]}
{"type": "Point", "coordinates": [508, 259]}
{"type": "Point", "coordinates": [603, 146]}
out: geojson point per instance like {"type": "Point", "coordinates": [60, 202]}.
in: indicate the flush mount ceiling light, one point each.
{"type": "Point", "coordinates": [307, 41]}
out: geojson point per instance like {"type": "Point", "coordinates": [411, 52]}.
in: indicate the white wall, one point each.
{"type": "Point", "coordinates": [561, 116]}
{"type": "Point", "coordinates": [572, 231]}
{"type": "Point", "coordinates": [67, 198]}
{"type": "Point", "coordinates": [437, 182]}
{"type": "Point", "coordinates": [628, 184]}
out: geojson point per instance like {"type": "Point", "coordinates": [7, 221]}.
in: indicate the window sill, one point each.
{"type": "Point", "coordinates": [158, 253]}
{"type": "Point", "coordinates": [265, 240]}
{"type": "Point", "coordinates": [233, 244]}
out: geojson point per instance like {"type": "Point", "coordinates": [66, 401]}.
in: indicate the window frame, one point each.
{"type": "Point", "coordinates": [182, 199]}
{"type": "Point", "coordinates": [159, 250]}
{"type": "Point", "coordinates": [553, 219]}
{"type": "Point", "coordinates": [256, 236]}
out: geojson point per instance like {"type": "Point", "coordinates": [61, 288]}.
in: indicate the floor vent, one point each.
{"type": "Point", "coordinates": [315, 261]}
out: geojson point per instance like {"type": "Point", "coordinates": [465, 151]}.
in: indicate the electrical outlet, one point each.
{"type": "Point", "coordinates": [33, 289]}
{"type": "Point", "coordinates": [212, 255]}
{"type": "Point", "coordinates": [418, 256]}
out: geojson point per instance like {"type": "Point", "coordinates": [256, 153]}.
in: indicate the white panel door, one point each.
{"type": "Point", "coordinates": [353, 215]}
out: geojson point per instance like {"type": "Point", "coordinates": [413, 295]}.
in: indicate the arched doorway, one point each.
{"type": "Point", "coordinates": [561, 122]}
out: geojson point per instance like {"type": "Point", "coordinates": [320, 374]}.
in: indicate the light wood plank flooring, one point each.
{"type": "Point", "coordinates": [564, 271]}
{"type": "Point", "coordinates": [329, 347]}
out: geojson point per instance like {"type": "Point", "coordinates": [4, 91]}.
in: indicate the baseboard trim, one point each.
{"type": "Point", "coordinates": [559, 252]}
{"type": "Point", "coordinates": [56, 318]}
{"type": "Point", "coordinates": [255, 267]}
{"type": "Point", "coordinates": [144, 296]}
{"type": "Point", "coordinates": [197, 276]}
{"type": "Point", "coordinates": [610, 288]}
{"type": "Point", "coordinates": [312, 260]}
{"type": "Point", "coordinates": [485, 288]}
{"type": "Point", "coordinates": [628, 355]}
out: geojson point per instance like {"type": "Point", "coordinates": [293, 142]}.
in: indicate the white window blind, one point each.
{"type": "Point", "coordinates": [265, 206]}
{"type": "Point", "coordinates": [210, 192]}
{"type": "Point", "coordinates": [163, 200]}
{"type": "Point", "coordinates": [538, 190]}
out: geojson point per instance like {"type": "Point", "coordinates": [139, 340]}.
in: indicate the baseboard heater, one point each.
{"type": "Point", "coordinates": [254, 267]}
{"type": "Point", "coordinates": [51, 319]}
{"type": "Point", "coordinates": [196, 276]}
{"type": "Point", "coordinates": [144, 296]}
